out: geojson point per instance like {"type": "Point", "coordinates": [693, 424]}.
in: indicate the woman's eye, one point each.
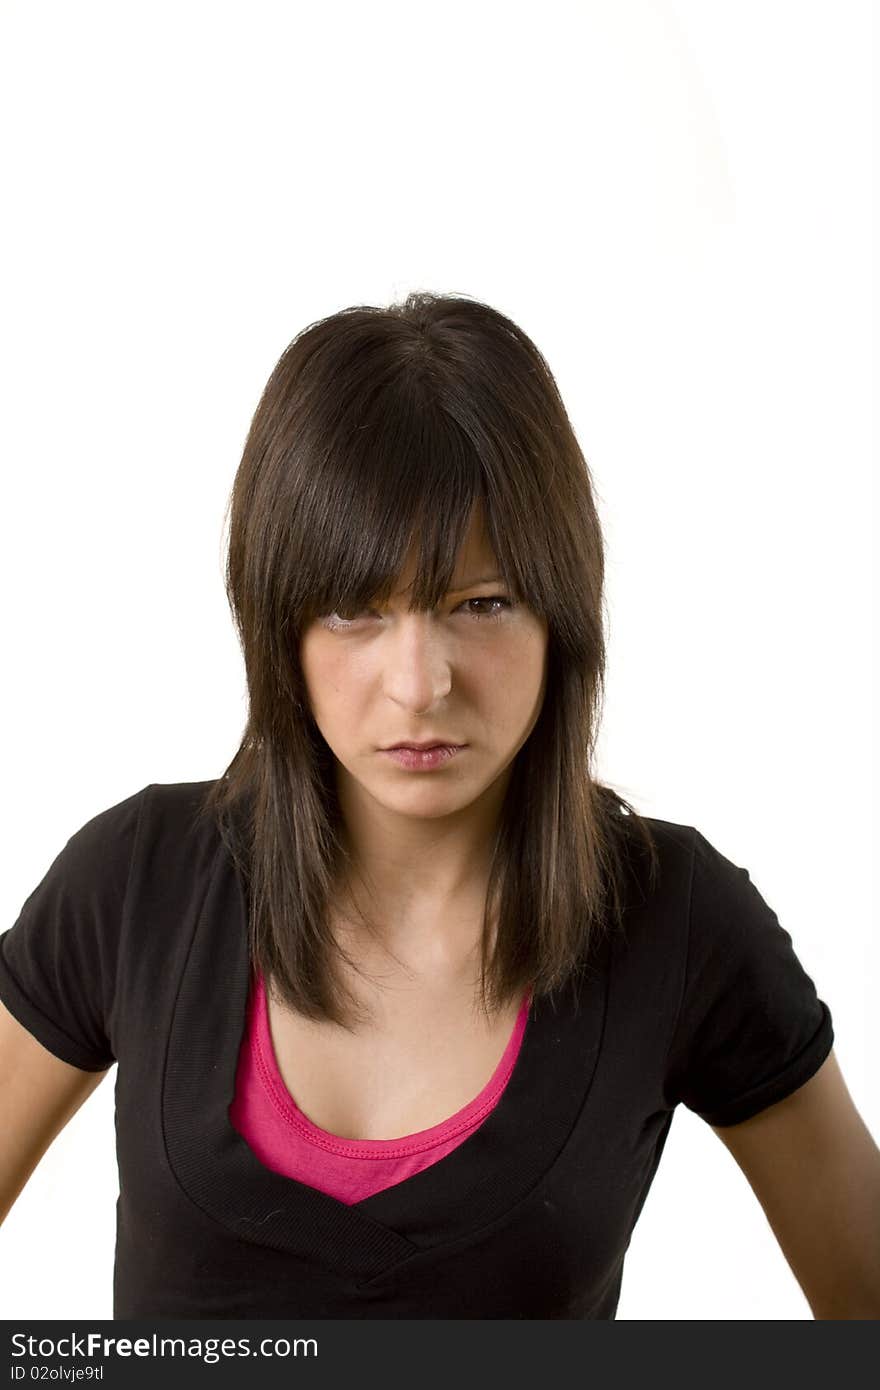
{"type": "Point", "coordinates": [336, 620]}
{"type": "Point", "coordinates": [495, 598]}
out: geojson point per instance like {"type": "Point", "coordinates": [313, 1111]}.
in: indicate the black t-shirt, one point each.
{"type": "Point", "coordinates": [133, 949]}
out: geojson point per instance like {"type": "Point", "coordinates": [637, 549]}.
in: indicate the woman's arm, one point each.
{"type": "Point", "coordinates": [814, 1167]}
{"type": "Point", "coordinates": [38, 1095]}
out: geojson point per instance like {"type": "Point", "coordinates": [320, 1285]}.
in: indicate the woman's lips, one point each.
{"type": "Point", "coordinates": [423, 759]}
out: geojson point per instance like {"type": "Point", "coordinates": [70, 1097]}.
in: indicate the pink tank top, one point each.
{"type": "Point", "coordinates": [266, 1115]}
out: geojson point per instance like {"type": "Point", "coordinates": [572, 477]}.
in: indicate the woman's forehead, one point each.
{"type": "Point", "coordinates": [475, 562]}
{"type": "Point", "coordinates": [470, 570]}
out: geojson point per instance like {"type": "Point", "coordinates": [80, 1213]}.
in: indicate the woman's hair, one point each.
{"type": "Point", "coordinates": [380, 430]}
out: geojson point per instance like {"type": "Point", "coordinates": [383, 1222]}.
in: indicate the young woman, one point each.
{"type": "Point", "coordinates": [404, 1002]}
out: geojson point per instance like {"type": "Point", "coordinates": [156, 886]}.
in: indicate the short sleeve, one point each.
{"type": "Point", "coordinates": [751, 1028]}
{"type": "Point", "coordinates": [58, 961]}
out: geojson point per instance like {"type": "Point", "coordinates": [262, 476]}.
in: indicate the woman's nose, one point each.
{"type": "Point", "coordinates": [417, 663]}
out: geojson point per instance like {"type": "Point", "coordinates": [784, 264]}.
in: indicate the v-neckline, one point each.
{"type": "Point", "coordinates": [414, 1140]}
{"type": "Point", "coordinates": [474, 1184]}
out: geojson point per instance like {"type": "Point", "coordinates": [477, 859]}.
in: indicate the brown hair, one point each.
{"type": "Point", "coordinates": [380, 429]}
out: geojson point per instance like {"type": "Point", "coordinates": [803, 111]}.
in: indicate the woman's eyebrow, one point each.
{"type": "Point", "coordinates": [471, 583]}
{"type": "Point", "coordinates": [483, 579]}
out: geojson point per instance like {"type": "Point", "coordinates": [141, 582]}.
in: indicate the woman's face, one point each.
{"type": "Point", "coordinates": [471, 672]}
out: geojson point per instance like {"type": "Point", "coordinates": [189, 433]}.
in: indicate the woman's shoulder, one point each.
{"type": "Point", "coordinates": [653, 856]}
{"type": "Point", "coordinates": [179, 798]}
{"type": "Point", "coordinates": [180, 809]}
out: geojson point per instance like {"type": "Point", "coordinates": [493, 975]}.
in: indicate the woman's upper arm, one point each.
{"type": "Point", "coordinates": [815, 1168]}
{"type": "Point", "coordinates": [39, 1093]}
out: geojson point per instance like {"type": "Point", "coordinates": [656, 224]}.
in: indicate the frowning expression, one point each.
{"type": "Point", "coordinates": [471, 672]}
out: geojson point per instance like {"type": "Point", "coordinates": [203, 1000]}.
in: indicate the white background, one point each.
{"type": "Point", "coordinates": [674, 201]}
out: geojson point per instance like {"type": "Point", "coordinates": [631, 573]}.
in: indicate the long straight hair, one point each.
{"type": "Point", "coordinates": [379, 431]}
